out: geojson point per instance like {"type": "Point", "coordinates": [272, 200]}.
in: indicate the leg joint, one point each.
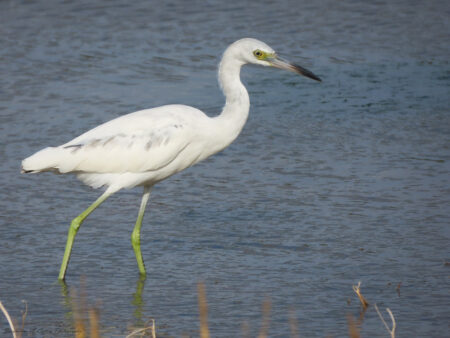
{"type": "Point", "coordinates": [75, 224]}
{"type": "Point", "coordinates": [135, 237]}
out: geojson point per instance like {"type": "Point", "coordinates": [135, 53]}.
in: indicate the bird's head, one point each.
{"type": "Point", "coordinates": [257, 52]}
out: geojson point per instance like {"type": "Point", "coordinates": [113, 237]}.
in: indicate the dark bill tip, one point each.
{"type": "Point", "coordinates": [305, 72]}
{"type": "Point", "coordinates": [283, 64]}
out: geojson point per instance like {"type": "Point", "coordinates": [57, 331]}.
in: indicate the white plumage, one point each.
{"type": "Point", "coordinates": [136, 149]}
{"type": "Point", "coordinates": [147, 146]}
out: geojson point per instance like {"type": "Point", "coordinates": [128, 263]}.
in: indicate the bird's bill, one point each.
{"type": "Point", "coordinates": [283, 64]}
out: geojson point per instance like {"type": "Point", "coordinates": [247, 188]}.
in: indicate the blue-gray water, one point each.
{"type": "Point", "coordinates": [329, 184]}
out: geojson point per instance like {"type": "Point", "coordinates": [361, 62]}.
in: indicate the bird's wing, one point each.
{"type": "Point", "coordinates": [136, 142]}
{"type": "Point", "coordinates": [133, 152]}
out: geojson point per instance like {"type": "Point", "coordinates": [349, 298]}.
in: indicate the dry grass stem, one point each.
{"type": "Point", "coordinates": [245, 329]}
{"type": "Point", "coordinates": [203, 310]}
{"type": "Point", "coordinates": [144, 330]}
{"type": "Point", "coordinates": [353, 330]}
{"type": "Point", "coordinates": [363, 301]}
{"type": "Point", "coordinates": [394, 325]}
{"type": "Point", "coordinates": [293, 324]}
{"type": "Point", "coordinates": [93, 323]}
{"type": "Point", "coordinates": [265, 318]}
{"type": "Point", "coordinates": [79, 322]}
{"type": "Point", "coordinates": [399, 285]}
{"type": "Point", "coordinates": [8, 318]}
{"type": "Point", "coordinates": [24, 316]}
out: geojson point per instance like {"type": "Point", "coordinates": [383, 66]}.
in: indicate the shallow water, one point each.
{"type": "Point", "coordinates": [329, 184]}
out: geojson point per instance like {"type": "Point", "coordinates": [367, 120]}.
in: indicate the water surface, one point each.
{"type": "Point", "coordinates": [328, 184]}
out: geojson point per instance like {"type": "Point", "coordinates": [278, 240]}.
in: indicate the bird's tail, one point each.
{"type": "Point", "coordinates": [43, 160]}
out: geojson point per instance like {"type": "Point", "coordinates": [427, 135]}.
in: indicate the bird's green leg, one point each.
{"type": "Point", "coordinates": [74, 226]}
{"type": "Point", "coordinates": [136, 235]}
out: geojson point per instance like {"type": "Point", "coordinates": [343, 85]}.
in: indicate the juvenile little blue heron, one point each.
{"type": "Point", "coordinates": [147, 146]}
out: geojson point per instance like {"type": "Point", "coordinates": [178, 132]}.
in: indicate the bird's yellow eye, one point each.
{"type": "Point", "coordinates": [259, 54]}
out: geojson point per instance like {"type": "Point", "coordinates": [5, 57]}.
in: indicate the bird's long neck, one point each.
{"type": "Point", "coordinates": [237, 105]}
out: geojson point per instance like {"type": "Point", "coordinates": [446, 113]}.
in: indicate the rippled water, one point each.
{"type": "Point", "coordinates": [329, 184]}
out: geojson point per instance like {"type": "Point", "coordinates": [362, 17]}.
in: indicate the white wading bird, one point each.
{"type": "Point", "coordinates": [148, 146]}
